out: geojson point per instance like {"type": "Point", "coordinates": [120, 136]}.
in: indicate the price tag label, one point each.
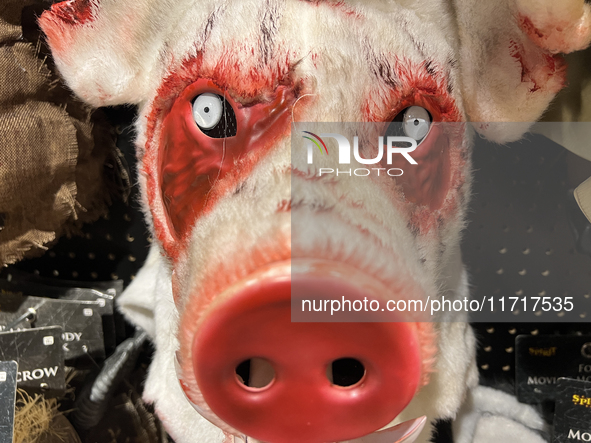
{"type": "Point", "coordinates": [572, 416]}
{"type": "Point", "coordinates": [541, 360]}
{"type": "Point", "coordinates": [40, 359]}
{"type": "Point", "coordinates": [104, 298]}
{"type": "Point", "coordinates": [81, 322]}
{"type": "Point", "coordinates": [8, 374]}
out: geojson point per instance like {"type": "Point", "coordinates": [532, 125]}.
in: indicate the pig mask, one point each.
{"type": "Point", "coordinates": [219, 85]}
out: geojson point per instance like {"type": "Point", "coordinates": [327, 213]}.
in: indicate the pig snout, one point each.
{"type": "Point", "coordinates": [283, 381]}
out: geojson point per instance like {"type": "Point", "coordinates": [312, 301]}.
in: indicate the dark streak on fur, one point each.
{"type": "Point", "coordinates": [211, 21]}
{"type": "Point", "coordinates": [450, 88]}
{"type": "Point", "coordinates": [452, 63]}
{"type": "Point", "coordinates": [268, 31]}
{"type": "Point", "coordinates": [419, 46]}
{"type": "Point", "coordinates": [239, 188]}
{"type": "Point", "coordinates": [430, 68]}
{"type": "Point", "coordinates": [380, 67]}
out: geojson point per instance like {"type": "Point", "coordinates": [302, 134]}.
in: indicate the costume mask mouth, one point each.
{"type": "Point", "coordinates": [406, 432]}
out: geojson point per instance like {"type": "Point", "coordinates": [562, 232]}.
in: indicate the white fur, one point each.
{"type": "Point", "coordinates": [148, 302]}
{"type": "Point", "coordinates": [489, 416]}
{"type": "Point", "coordinates": [122, 56]}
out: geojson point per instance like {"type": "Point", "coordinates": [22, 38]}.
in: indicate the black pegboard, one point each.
{"type": "Point", "coordinates": [519, 243]}
{"type": "Point", "coordinates": [115, 246]}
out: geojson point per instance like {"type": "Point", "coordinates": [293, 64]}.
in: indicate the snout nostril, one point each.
{"type": "Point", "coordinates": [243, 372]}
{"type": "Point", "coordinates": [345, 372]}
{"type": "Point", "coordinates": [255, 373]}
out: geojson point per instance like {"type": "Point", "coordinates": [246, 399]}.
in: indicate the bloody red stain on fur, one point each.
{"type": "Point", "coordinates": [63, 19]}
{"type": "Point", "coordinates": [538, 66]}
{"type": "Point", "coordinates": [338, 5]}
{"type": "Point", "coordinates": [78, 12]}
{"type": "Point", "coordinates": [431, 186]}
{"type": "Point", "coordinates": [529, 28]}
{"type": "Point", "coordinates": [284, 206]}
{"type": "Point", "coordinates": [187, 171]}
{"type": "Point", "coordinates": [195, 167]}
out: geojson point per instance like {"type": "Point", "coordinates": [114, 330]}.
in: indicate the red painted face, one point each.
{"type": "Point", "coordinates": [193, 168]}
{"type": "Point", "coordinates": [431, 188]}
{"type": "Point", "coordinates": [193, 163]}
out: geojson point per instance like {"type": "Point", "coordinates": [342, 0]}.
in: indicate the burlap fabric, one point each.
{"type": "Point", "coordinates": [52, 148]}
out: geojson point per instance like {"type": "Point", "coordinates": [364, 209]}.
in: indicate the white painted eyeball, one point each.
{"type": "Point", "coordinates": [416, 122]}
{"type": "Point", "coordinates": [207, 110]}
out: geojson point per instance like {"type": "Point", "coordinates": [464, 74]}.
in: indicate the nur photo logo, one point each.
{"type": "Point", "coordinates": [387, 148]}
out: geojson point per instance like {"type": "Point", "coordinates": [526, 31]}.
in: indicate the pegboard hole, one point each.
{"type": "Point", "coordinates": [586, 350]}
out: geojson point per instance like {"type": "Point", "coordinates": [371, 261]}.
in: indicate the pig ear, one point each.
{"type": "Point", "coordinates": [107, 49]}
{"type": "Point", "coordinates": [510, 66]}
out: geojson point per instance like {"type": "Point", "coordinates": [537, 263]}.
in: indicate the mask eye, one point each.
{"type": "Point", "coordinates": [214, 116]}
{"type": "Point", "coordinates": [413, 122]}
